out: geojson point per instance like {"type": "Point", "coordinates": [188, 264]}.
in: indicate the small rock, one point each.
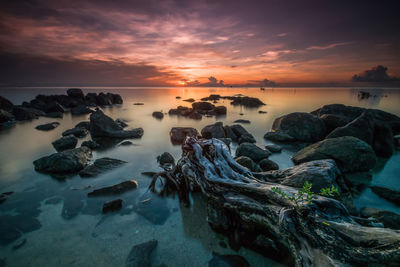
{"type": "Point", "coordinates": [220, 110]}
{"type": "Point", "coordinates": [386, 193]}
{"type": "Point", "coordinates": [77, 132]}
{"type": "Point", "coordinates": [178, 97]}
{"type": "Point", "coordinates": [48, 126]}
{"type": "Point", "coordinates": [113, 205]}
{"type": "Point", "coordinates": [252, 151]}
{"type": "Point", "coordinates": [242, 121]}
{"type": "Point", "coordinates": [99, 166]}
{"type": "Point", "coordinates": [138, 104]}
{"type": "Point", "coordinates": [274, 148]}
{"type": "Point", "coordinates": [83, 124]}
{"type": "Point", "coordinates": [75, 93]}
{"type": "Point", "coordinates": [248, 163]}
{"type": "Point", "coordinates": [90, 144]}
{"type": "Point", "coordinates": [268, 165]}
{"type": "Point", "coordinates": [179, 134]}
{"type": "Point", "coordinates": [190, 100]}
{"type": "Point", "coordinates": [246, 138]}
{"type": "Point", "coordinates": [278, 137]}
{"type": "Point", "coordinates": [80, 110]}
{"type": "Point", "coordinates": [140, 254]}
{"type": "Point", "coordinates": [126, 143]}
{"type": "Point", "coordinates": [213, 131]}
{"type": "Point", "coordinates": [158, 115]}
{"type": "Point", "coordinates": [115, 189]}
{"type": "Point", "coordinates": [166, 158]}
{"type": "Point", "coordinates": [262, 112]}
{"type": "Point", "coordinates": [64, 143]}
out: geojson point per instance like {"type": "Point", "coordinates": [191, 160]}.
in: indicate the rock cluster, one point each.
{"type": "Point", "coordinates": [197, 110]}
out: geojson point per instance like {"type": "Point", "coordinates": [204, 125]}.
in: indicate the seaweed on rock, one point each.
{"type": "Point", "coordinates": [248, 211]}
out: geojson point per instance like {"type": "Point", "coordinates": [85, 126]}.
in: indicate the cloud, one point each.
{"type": "Point", "coordinates": [263, 83]}
{"type": "Point", "coordinates": [325, 47]}
{"type": "Point", "coordinates": [376, 74]}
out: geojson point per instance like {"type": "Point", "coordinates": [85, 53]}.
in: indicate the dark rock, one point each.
{"type": "Point", "coordinates": [242, 121]}
{"type": "Point", "coordinates": [138, 104]}
{"type": "Point", "coordinates": [54, 115]}
{"type": "Point", "coordinates": [6, 104]}
{"type": "Point", "coordinates": [383, 142]}
{"type": "Point", "coordinates": [274, 148]}
{"type": "Point", "coordinates": [99, 166]}
{"type": "Point", "coordinates": [262, 112]}
{"type": "Point", "coordinates": [113, 205]}
{"type": "Point", "coordinates": [103, 99]}
{"type": "Point", "coordinates": [115, 98]}
{"type": "Point", "coordinates": [48, 126]}
{"type": "Point", "coordinates": [340, 110]}
{"type": "Point", "coordinates": [140, 254]}
{"type": "Point", "coordinates": [5, 116]}
{"type": "Point", "coordinates": [103, 126]}
{"type": "Point", "coordinates": [213, 131]}
{"type": "Point", "coordinates": [246, 138]}
{"type": "Point", "coordinates": [121, 123]}
{"type": "Point", "coordinates": [158, 115]}
{"type": "Point", "coordinates": [154, 209]}
{"type": "Point", "coordinates": [23, 113]}
{"type": "Point", "coordinates": [278, 137]}
{"type": "Point", "coordinates": [115, 189]}
{"type": "Point", "coordinates": [227, 141]}
{"type": "Point", "coordinates": [75, 93]}
{"type": "Point", "coordinates": [203, 106]}
{"type": "Point", "coordinates": [219, 260]}
{"type": "Point", "coordinates": [190, 100]}
{"type": "Point", "coordinates": [179, 134]}
{"type": "Point", "coordinates": [77, 132]}
{"type": "Point", "coordinates": [386, 193]}
{"type": "Point", "coordinates": [90, 144]}
{"type": "Point", "coordinates": [195, 116]}
{"type": "Point", "coordinates": [358, 182]}
{"type": "Point", "coordinates": [91, 99]}
{"type": "Point", "coordinates": [248, 163]}
{"type": "Point", "coordinates": [165, 158]}
{"type": "Point", "coordinates": [230, 134]}
{"type": "Point", "coordinates": [211, 98]}
{"type": "Point", "coordinates": [11, 227]}
{"type": "Point", "coordinates": [388, 218]}
{"type": "Point", "coordinates": [252, 151]}
{"type": "Point", "coordinates": [268, 165]}
{"type": "Point", "coordinates": [333, 121]}
{"type": "Point", "coordinates": [220, 110]}
{"type": "Point", "coordinates": [301, 126]}
{"type": "Point", "coordinates": [83, 124]}
{"type": "Point", "coordinates": [178, 97]}
{"type": "Point", "coordinates": [73, 205]}
{"type": "Point", "coordinates": [351, 154]}
{"type": "Point", "coordinates": [80, 110]}
{"type": "Point", "coordinates": [54, 107]}
{"type": "Point", "coordinates": [64, 143]}
{"type": "Point", "coordinates": [69, 161]}
{"type": "Point", "coordinates": [19, 244]}
{"type": "Point", "coordinates": [246, 101]}
{"type": "Point", "coordinates": [126, 143]}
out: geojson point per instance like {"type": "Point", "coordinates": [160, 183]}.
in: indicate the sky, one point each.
{"type": "Point", "coordinates": [198, 43]}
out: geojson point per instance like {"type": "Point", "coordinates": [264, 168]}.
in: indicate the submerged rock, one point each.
{"type": "Point", "coordinates": [301, 126]}
{"type": "Point", "coordinates": [189, 100]}
{"type": "Point", "coordinates": [99, 166]}
{"type": "Point", "coordinates": [140, 254]}
{"type": "Point", "coordinates": [219, 260]}
{"type": "Point", "coordinates": [252, 151]}
{"type": "Point", "coordinates": [103, 126]}
{"type": "Point", "coordinates": [48, 126]}
{"type": "Point", "coordinates": [64, 143]}
{"type": "Point", "coordinates": [12, 227]}
{"type": "Point", "coordinates": [351, 154]}
{"type": "Point", "coordinates": [77, 132]}
{"type": "Point", "coordinates": [115, 189]}
{"type": "Point", "coordinates": [69, 161]}
{"type": "Point", "coordinates": [153, 208]}
{"type": "Point", "coordinates": [386, 193]}
{"type": "Point", "coordinates": [113, 205]}
{"type": "Point", "coordinates": [178, 134]}
{"type": "Point", "coordinates": [388, 218]}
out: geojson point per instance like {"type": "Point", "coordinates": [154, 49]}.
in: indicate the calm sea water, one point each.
{"type": "Point", "coordinates": [184, 237]}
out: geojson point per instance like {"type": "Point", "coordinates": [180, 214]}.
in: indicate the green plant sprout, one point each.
{"type": "Point", "coordinates": [330, 192]}
{"type": "Point", "coordinates": [304, 194]}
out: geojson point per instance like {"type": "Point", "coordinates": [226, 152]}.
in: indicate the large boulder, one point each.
{"type": "Point", "coordinates": [333, 121]}
{"type": "Point", "coordinates": [320, 173]}
{"type": "Point", "coordinates": [103, 126]}
{"type": "Point", "coordinates": [103, 99]}
{"type": "Point", "coordinates": [220, 110]}
{"type": "Point", "coordinates": [351, 154]}
{"type": "Point", "coordinates": [6, 104]}
{"type": "Point", "coordinates": [347, 112]}
{"type": "Point", "coordinates": [213, 131]}
{"type": "Point", "coordinates": [301, 126]}
{"type": "Point", "coordinates": [99, 166]}
{"type": "Point", "coordinates": [69, 161]}
{"type": "Point", "coordinates": [64, 143]}
{"type": "Point", "coordinates": [76, 93]}
{"type": "Point", "coordinates": [252, 151]}
{"type": "Point", "coordinates": [179, 134]}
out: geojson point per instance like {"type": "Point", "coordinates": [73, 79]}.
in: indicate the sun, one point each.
{"type": "Point", "coordinates": [181, 83]}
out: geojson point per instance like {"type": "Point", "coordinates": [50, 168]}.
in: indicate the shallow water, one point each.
{"type": "Point", "coordinates": [85, 237]}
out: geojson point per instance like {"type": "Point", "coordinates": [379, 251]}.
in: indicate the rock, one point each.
{"type": "Point", "coordinates": [54, 107]}
{"type": "Point", "coordinates": [6, 104]}
{"type": "Point", "coordinates": [113, 205]}
{"type": "Point", "coordinates": [83, 124]}
{"type": "Point", "coordinates": [90, 144]}
{"type": "Point", "coordinates": [4, 196]}
{"type": "Point", "coordinates": [91, 99]}
{"type": "Point", "coordinates": [190, 100]}
{"type": "Point", "coordinates": [248, 163]}
{"type": "Point", "coordinates": [211, 98]}
{"type": "Point", "coordinates": [397, 139]}
{"type": "Point", "coordinates": [351, 154]}
{"type": "Point", "coordinates": [262, 112]}
{"type": "Point", "coordinates": [140, 254]}
{"type": "Point", "coordinates": [388, 218]}
{"type": "Point", "coordinates": [69, 161]}
{"type": "Point", "coordinates": [103, 126]}
{"type": "Point", "coordinates": [386, 193]}
{"type": "Point", "coordinates": [220, 110]}
{"type": "Point", "coordinates": [115, 189]}
{"type": "Point", "coordinates": [77, 132]}
{"type": "Point", "coordinates": [348, 112]}
{"type": "Point", "coordinates": [80, 110]}
{"type": "Point", "coordinates": [278, 137]}
{"type": "Point", "coordinates": [195, 116]}
{"type": "Point", "coordinates": [54, 115]}
{"type": "Point", "coordinates": [362, 128]}
{"type": "Point", "coordinates": [227, 141]}
{"type": "Point", "coordinates": [138, 104]}
{"type": "Point", "coordinates": [358, 182]}
{"type": "Point", "coordinates": [23, 113]}
{"type": "Point", "coordinates": [64, 143]}
{"type": "Point", "coordinates": [5, 116]}
{"type": "Point", "coordinates": [165, 158]}
{"type": "Point", "coordinates": [203, 106]}
{"type": "Point", "coordinates": [158, 115]}
{"type": "Point", "coordinates": [12, 227]}
{"type": "Point", "coordinates": [103, 99]}
{"type": "Point", "coordinates": [252, 151]}
{"type": "Point", "coordinates": [48, 126]}
{"type": "Point", "coordinates": [320, 173]}
{"type": "Point", "coordinates": [178, 97]}
{"type": "Point", "coordinates": [115, 98]}
{"type": "Point", "coordinates": [239, 130]}
{"type": "Point", "coordinates": [301, 126]}
{"type": "Point", "coordinates": [268, 165]}
{"type": "Point", "coordinates": [333, 121]}
{"type": "Point", "coordinates": [179, 134]}
{"type": "Point", "coordinates": [246, 138]}
{"type": "Point", "coordinates": [73, 205]}
{"type": "Point", "coordinates": [213, 131]}
{"type": "Point", "coordinates": [274, 148]}
{"type": "Point", "coordinates": [246, 101]}
{"type": "Point", "coordinates": [76, 93]}
{"type": "Point", "coordinates": [219, 260]}
{"type": "Point", "coordinates": [99, 166]}
{"type": "Point", "coordinates": [383, 142]}
{"type": "Point", "coordinates": [242, 121]}
{"type": "Point", "coordinates": [121, 123]}
{"type": "Point", "coordinates": [126, 143]}
{"type": "Point", "coordinates": [230, 134]}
